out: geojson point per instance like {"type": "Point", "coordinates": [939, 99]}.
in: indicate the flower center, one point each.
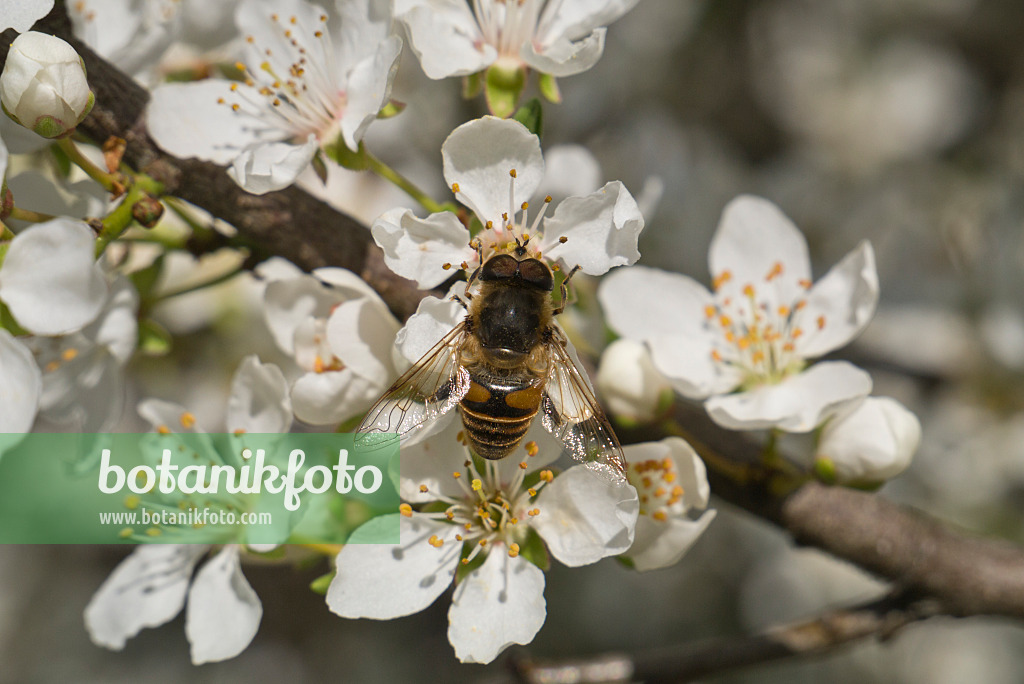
{"type": "Point", "coordinates": [292, 89]}
{"type": "Point", "coordinates": [507, 24]}
{"type": "Point", "coordinates": [489, 511]}
{"type": "Point", "coordinates": [655, 481]}
{"type": "Point", "coordinates": [757, 331]}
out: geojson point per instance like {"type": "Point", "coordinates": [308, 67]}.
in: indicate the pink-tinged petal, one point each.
{"type": "Point", "coordinates": [661, 543]}
{"type": "Point", "coordinates": [584, 517]}
{"type": "Point", "coordinates": [753, 238]}
{"type": "Point", "coordinates": [20, 385]}
{"type": "Point", "coordinates": [331, 397]}
{"type": "Point", "coordinates": [445, 37]}
{"type": "Point", "coordinates": [418, 249]}
{"type": "Point", "coordinates": [266, 167]}
{"type": "Point", "coordinates": [479, 156]}
{"type": "Point", "coordinates": [799, 403]}
{"type": "Point", "coordinates": [361, 333]}
{"type": "Point", "coordinates": [841, 304]}
{"type": "Point", "coordinates": [574, 19]}
{"type": "Point", "coordinates": [368, 89]}
{"type": "Point", "coordinates": [50, 279]}
{"type": "Point", "coordinates": [600, 230]}
{"type": "Point", "coordinates": [223, 613]}
{"type": "Point", "coordinates": [563, 57]}
{"type": "Point", "coordinates": [259, 400]}
{"type": "Point", "coordinates": [873, 443]}
{"type": "Point", "coordinates": [147, 589]}
{"type": "Point", "coordinates": [499, 604]}
{"type": "Point", "coordinates": [687, 361]}
{"type": "Point", "coordinates": [197, 120]}
{"type": "Point", "coordinates": [640, 302]}
{"type": "Point", "coordinates": [381, 581]}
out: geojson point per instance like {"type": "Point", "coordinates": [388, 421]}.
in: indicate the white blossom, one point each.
{"type": "Point", "coordinates": [630, 385]}
{"type": "Point", "coordinates": [43, 85]}
{"type": "Point", "coordinates": [744, 347]}
{"type": "Point", "coordinates": [310, 83]}
{"type": "Point", "coordinates": [494, 166]}
{"type": "Point", "coordinates": [673, 488]}
{"type": "Point", "coordinates": [490, 512]}
{"type": "Point", "coordinates": [22, 14]}
{"type": "Point", "coordinates": [20, 385]}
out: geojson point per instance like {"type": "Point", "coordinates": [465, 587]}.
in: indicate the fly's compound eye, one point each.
{"type": "Point", "coordinates": [537, 274]}
{"type": "Point", "coordinates": [500, 267]}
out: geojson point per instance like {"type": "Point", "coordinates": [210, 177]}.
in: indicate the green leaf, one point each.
{"type": "Point", "coordinates": [503, 87]}
{"type": "Point", "coordinates": [321, 583]}
{"type": "Point", "coordinates": [531, 115]}
{"type": "Point", "coordinates": [548, 86]}
{"type": "Point", "coordinates": [534, 550]}
{"type": "Point", "coordinates": [154, 340]}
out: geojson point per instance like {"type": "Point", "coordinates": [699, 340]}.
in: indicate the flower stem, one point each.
{"type": "Point", "coordinates": [118, 220]}
{"type": "Point", "coordinates": [389, 174]}
{"type": "Point", "coordinates": [5, 232]}
{"type": "Point", "coordinates": [222, 278]}
{"type": "Point", "coordinates": [110, 182]}
{"type": "Point", "coordinates": [29, 215]}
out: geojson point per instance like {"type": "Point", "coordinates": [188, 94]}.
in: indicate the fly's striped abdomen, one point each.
{"type": "Point", "coordinates": [497, 412]}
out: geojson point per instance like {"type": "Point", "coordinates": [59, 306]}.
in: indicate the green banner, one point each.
{"type": "Point", "coordinates": [195, 488]}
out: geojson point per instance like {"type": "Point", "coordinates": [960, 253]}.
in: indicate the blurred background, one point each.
{"type": "Point", "coordinates": [897, 121]}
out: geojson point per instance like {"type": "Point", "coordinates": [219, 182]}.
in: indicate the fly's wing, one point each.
{"type": "Point", "coordinates": [573, 416]}
{"type": "Point", "coordinates": [428, 390]}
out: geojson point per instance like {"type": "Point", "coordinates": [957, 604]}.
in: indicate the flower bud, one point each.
{"type": "Point", "coordinates": [869, 445]}
{"type": "Point", "coordinates": [43, 85]}
{"type": "Point", "coordinates": [628, 381]}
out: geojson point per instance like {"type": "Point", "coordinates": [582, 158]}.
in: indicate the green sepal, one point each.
{"type": "Point", "coordinates": [825, 470]}
{"type": "Point", "coordinates": [154, 340]}
{"type": "Point", "coordinates": [472, 85]}
{"type": "Point", "coordinates": [341, 154]}
{"type": "Point", "coordinates": [534, 550]}
{"type": "Point", "coordinates": [392, 108]}
{"type": "Point", "coordinates": [320, 166]}
{"type": "Point", "coordinates": [626, 562]}
{"type": "Point", "coordinates": [10, 115]}
{"type": "Point", "coordinates": [531, 115]}
{"type": "Point", "coordinates": [548, 86]}
{"type": "Point", "coordinates": [49, 127]}
{"type": "Point", "coordinates": [88, 107]}
{"type": "Point", "coordinates": [503, 87]}
{"type": "Point", "coordinates": [7, 321]}
{"type": "Point", "coordinates": [321, 583]}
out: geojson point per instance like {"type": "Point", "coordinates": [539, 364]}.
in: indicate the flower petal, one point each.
{"type": "Point", "coordinates": [871, 444]}
{"type": "Point", "coordinates": [574, 19]}
{"type": "Point", "coordinates": [289, 303]}
{"type": "Point", "coordinates": [686, 360]}
{"type": "Point", "coordinates": [640, 302]}
{"type": "Point", "coordinates": [478, 156]}
{"type": "Point", "coordinates": [752, 238]}
{"type": "Point", "coordinates": [418, 248]}
{"type": "Point", "coordinates": [117, 326]}
{"type": "Point", "coordinates": [570, 170]}
{"type": "Point", "coordinates": [382, 582]}
{"type": "Point", "coordinates": [50, 279]}
{"type": "Point", "coordinates": [266, 167]}
{"type": "Point", "coordinates": [259, 400]}
{"type": "Point", "coordinates": [21, 15]}
{"type": "Point", "coordinates": [797, 404]}
{"type": "Point", "coordinates": [146, 590]}
{"type": "Point", "coordinates": [564, 57]}
{"type": "Point", "coordinates": [21, 385]}
{"type": "Point", "coordinates": [223, 613]}
{"type": "Point", "coordinates": [661, 543]}
{"type": "Point", "coordinates": [499, 604]}
{"type": "Point", "coordinates": [600, 230]}
{"type": "Point", "coordinates": [196, 119]}
{"type": "Point", "coordinates": [331, 397]}
{"type": "Point", "coordinates": [434, 318]}
{"type": "Point", "coordinates": [368, 89]}
{"type": "Point", "coordinates": [585, 517]}
{"type": "Point", "coordinates": [361, 334]}
{"type": "Point", "coordinates": [844, 300]}
{"type": "Point", "coordinates": [445, 37]}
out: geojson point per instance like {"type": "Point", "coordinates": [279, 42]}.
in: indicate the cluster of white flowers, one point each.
{"type": "Point", "coordinates": [308, 83]}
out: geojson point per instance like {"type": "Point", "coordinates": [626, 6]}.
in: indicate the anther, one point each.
{"type": "Point", "coordinates": [423, 489]}
{"type": "Point", "coordinates": [187, 420]}
{"type": "Point", "coordinates": [512, 172]}
{"type": "Point", "coordinates": [406, 510]}
{"type": "Point", "coordinates": [563, 239]}
{"type": "Point", "coordinates": [446, 266]}
{"type": "Point", "coordinates": [513, 550]}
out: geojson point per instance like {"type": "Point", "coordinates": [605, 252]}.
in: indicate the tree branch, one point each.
{"type": "Point", "coordinates": [879, 619]}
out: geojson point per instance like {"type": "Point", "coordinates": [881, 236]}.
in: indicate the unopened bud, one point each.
{"type": "Point", "coordinates": [43, 86]}
{"type": "Point", "coordinates": [147, 211]}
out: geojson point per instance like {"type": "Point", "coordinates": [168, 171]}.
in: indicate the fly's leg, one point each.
{"type": "Point", "coordinates": [564, 290]}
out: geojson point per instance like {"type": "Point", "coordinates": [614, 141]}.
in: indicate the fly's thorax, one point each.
{"type": "Point", "coordinates": [510, 316]}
